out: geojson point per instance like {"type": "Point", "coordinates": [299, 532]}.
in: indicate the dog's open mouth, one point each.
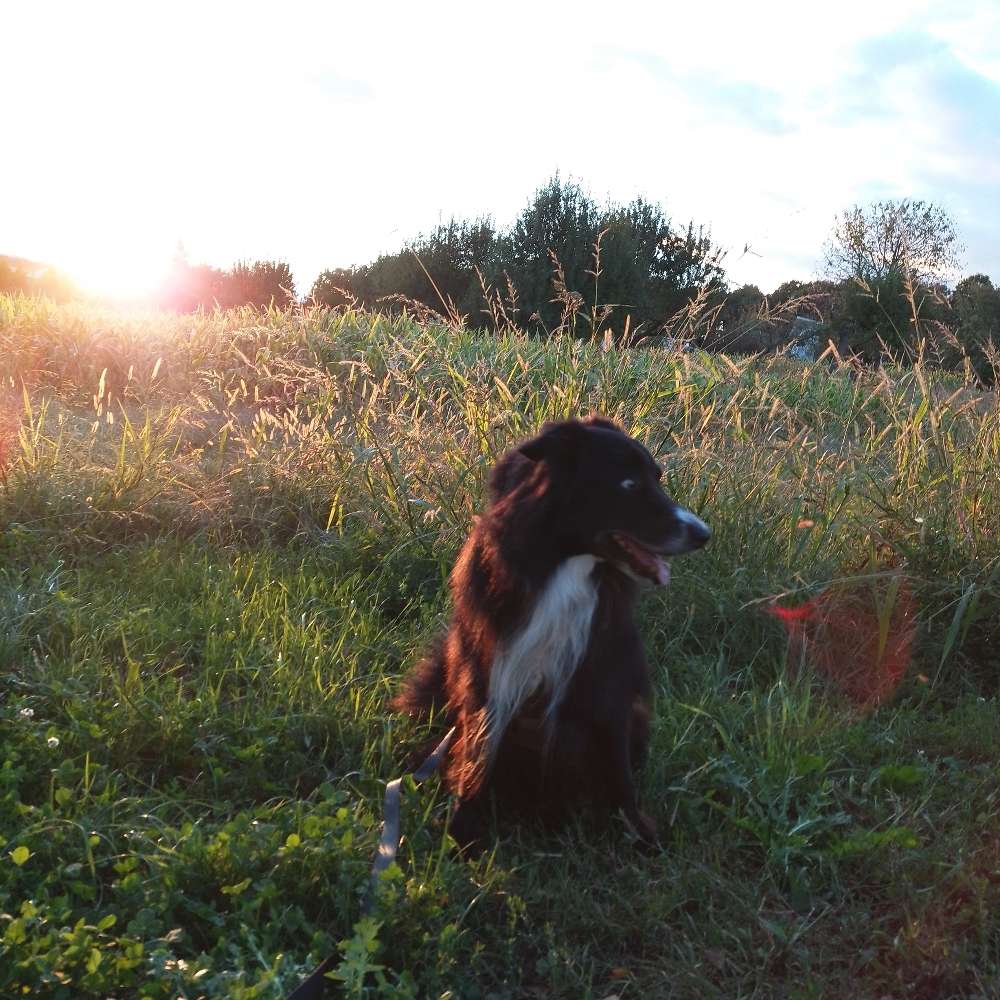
{"type": "Point", "coordinates": [641, 559]}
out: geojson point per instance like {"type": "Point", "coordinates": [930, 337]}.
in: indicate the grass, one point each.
{"type": "Point", "coordinates": [223, 539]}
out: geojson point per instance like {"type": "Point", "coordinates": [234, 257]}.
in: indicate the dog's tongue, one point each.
{"type": "Point", "coordinates": [645, 562]}
{"type": "Point", "coordinates": [650, 565]}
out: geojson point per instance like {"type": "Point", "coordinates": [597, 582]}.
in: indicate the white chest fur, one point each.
{"type": "Point", "coordinates": [545, 652]}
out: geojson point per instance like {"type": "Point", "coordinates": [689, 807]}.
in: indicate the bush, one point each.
{"type": "Point", "coordinates": [563, 254]}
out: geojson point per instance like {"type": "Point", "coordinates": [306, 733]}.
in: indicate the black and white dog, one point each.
{"type": "Point", "coordinates": [542, 670]}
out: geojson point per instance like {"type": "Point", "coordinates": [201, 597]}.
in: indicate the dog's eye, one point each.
{"type": "Point", "coordinates": [630, 484]}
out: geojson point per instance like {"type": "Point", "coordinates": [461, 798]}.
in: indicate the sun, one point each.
{"type": "Point", "coordinates": [108, 255]}
{"type": "Point", "coordinates": [134, 272]}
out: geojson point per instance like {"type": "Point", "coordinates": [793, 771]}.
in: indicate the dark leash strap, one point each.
{"type": "Point", "coordinates": [314, 988]}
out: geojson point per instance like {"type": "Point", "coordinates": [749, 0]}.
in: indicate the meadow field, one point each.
{"type": "Point", "coordinates": [225, 536]}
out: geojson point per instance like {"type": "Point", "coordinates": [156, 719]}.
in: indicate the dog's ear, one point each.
{"type": "Point", "coordinates": [555, 442]}
{"type": "Point", "coordinates": [512, 470]}
{"type": "Point", "coordinates": [555, 446]}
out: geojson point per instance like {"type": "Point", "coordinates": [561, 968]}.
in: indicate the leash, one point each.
{"type": "Point", "coordinates": [315, 986]}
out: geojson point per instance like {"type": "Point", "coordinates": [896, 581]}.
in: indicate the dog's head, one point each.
{"type": "Point", "coordinates": [602, 490]}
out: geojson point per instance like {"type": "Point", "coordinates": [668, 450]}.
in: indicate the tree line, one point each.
{"type": "Point", "coordinates": [565, 258]}
{"type": "Point", "coordinates": [259, 283]}
{"type": "Point", "coordinates": [18, 274]}
{"type": "Point", "coordinates": [885, 294]}
{"type": "Point", "coordinates": [568, 263]}
{"type": "Point", "coordinates": [187, 288]}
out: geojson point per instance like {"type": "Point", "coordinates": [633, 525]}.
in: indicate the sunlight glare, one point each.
{"type": "Point", "coordinates": [117, 272]}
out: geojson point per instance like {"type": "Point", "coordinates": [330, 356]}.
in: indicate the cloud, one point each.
{"type": "Point", "coordinates": [342, 88]}
{"type": "Point", "coordinates": [719, 97]}
{"type": "Point", "coordinates": [909, 115]}
{"type": "Point", "coordinates": [753, 106]}
{"type": "Point", "coordinates": [917, 79]}
{"type": "Point", "coordinates": [944, 114]}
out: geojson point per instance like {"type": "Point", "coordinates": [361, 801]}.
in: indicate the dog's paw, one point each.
{"type": "Point", "coordinates": [468, 830]}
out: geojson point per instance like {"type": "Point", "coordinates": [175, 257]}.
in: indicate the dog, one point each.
{"type": "Point", "coordinates": [541, 670]}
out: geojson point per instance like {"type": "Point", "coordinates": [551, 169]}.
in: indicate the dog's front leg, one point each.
{"type": "Point", "coordinates": [467, 779]}
{"type": "Point", "coordinates": [622, 782]}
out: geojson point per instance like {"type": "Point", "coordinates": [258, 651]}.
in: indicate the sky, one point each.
{"type": "Point", "coordinates": [324, 134]}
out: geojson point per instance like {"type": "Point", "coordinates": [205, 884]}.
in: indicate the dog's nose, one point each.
{"type": "Point", "coordinates": [697, 531]}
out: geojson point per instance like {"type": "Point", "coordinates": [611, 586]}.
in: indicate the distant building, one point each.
{"type": "Point", "coordinates": [809, 338]}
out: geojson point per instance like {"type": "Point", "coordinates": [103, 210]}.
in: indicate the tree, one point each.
{"type": "Point", "coordinates": [190, 287]}
{"type": "Point", "coordinates": [442, 264]}
{"type": "Point", "coordinates": [890, 238]}
{"type": "Point", "coordinates": [648, 269]}
{"type": "Point", "coordinates": [878, 316]}
{"type": "Point", "coordinates": [262, 283]}
{"type": "Point", "coordinates": [560, 220]}
{"type": "Point", "coordinates": [32, 278]}
{"type": "Point", "coordinates": [341, 286]}
{"type": "Point", "coordinates": [441, 269]}
{"type": "Point", "coordinates": [890, 256]}
{"type": "Point", "coordinates": [976, 307]}
{"type": "Point", "coordinates": [818, 299]}
{"type": "Point", "coordinates": [13, 277]}
{"type": "Point", "coordinates": [543, 267]}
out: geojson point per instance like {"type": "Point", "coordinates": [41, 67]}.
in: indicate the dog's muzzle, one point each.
{"type": "Point", "coordinates": [695, 532]}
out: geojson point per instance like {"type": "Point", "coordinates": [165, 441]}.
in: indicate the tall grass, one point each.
{"type": "Point", "coordinates": [223, 538]}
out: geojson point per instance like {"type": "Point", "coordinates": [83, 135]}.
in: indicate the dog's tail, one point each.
{"type": "Point", "coordinates": [424, 689]}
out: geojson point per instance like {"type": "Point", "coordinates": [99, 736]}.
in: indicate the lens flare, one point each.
{"type": "Point", "coordinates": [857, 635]}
